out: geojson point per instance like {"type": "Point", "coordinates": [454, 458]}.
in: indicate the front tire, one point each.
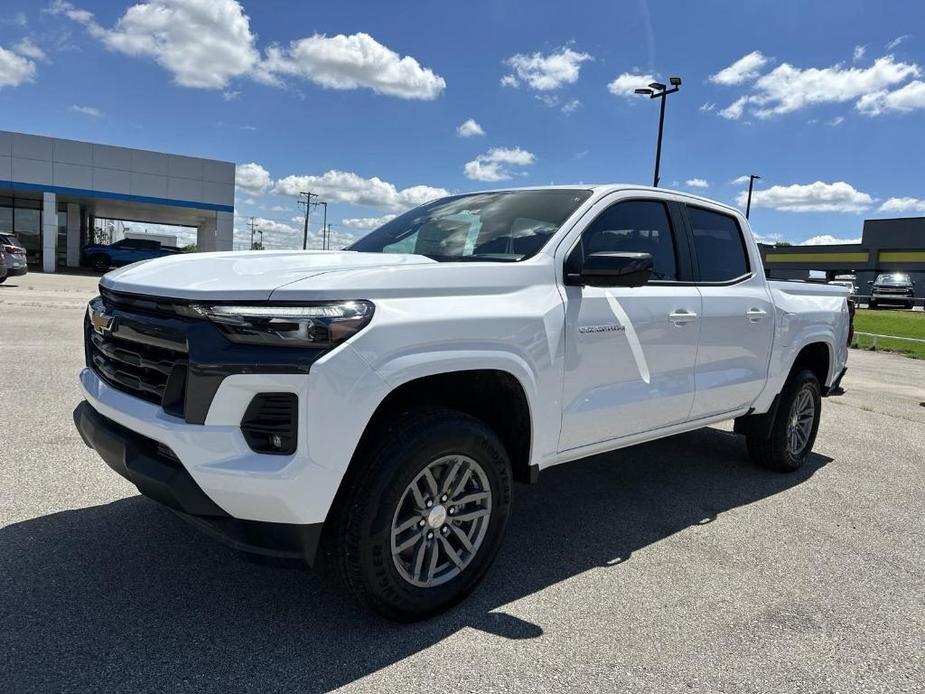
{"type": "Point", "coordinates": [795, 425]}
{"type": "Point", "coordinates": [423, 515]}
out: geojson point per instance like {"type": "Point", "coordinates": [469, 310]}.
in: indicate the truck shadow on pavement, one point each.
{"type": "Point", "coordinates": [127, 596]}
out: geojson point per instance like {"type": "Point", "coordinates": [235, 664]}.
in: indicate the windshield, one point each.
{"type": "Point", "coordinates": [894, 278]}
{"type": "Point", "coordinates": [505, 226]}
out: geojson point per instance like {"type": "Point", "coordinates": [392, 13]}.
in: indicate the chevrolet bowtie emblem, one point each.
{"type": "Point", "coordinates": [101, 321]}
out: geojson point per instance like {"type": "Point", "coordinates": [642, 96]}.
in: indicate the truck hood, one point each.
{"type": "Point", "coordinates": [252, 276]}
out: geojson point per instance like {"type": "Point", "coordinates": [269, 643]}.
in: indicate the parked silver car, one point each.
{"type": "Point", "coordinates": [14, 255]}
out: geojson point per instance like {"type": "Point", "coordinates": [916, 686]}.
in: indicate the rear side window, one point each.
{"type": "Point", "coordinates": [637, 226]}
{"type": "Point", "coordinates": [719, 244]}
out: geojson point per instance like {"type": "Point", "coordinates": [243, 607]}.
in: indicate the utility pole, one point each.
{"type": "Point", "coordinates": [751, 182]}
{"type": "Point", "coordinates": [306, 199]}
{"type": "Point", "coordinates": [657, 90]}
{"type": "Point", "coordinates": [328, 238]}
{"type": "Point", "coordinates": [254, 229]}
{"type": "Point", "coordinates": [324, 225]}
{"type": "Point", "coordinates": [260, 231]}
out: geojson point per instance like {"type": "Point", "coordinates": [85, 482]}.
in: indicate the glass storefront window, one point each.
{"type": "Point", "coordinates": [27, 225]}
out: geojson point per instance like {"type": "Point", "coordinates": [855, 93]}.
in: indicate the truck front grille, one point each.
{"type": "Point", "coordinates": [140, 359]}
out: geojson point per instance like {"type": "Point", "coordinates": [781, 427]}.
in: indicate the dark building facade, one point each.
{"type": "Point", "coordinates": [887, 245]}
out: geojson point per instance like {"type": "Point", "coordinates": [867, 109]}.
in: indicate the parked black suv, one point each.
{"type": "Point", "coordinates": [892, 288]}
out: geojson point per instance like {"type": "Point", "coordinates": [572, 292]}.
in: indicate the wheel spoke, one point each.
{"type": "Point", "coordinates": [450, 477]}
{"type": "Point", "coordinates": [410, 542]}
{"type": "Point", "coordinates": [463, 538]}
{"type": "Point", "coordinates": [434, 555]}
{"type": "Point", "coordinates": [418, 497]}
{"type": "Point", "coordinates": [462, 483]}
{"type": "Point", "coordinates": [470, 499]}
{"type": "Point", "coordinates": [406, 525]}
{"type": "Point", "coordinates": [472, 515]}
{"type": "Point", "coordinates": [419, 561]}
{"type": "Point", "coordinates": [451, 553]}
{"type": "Point", "coordinates": [431, 482]}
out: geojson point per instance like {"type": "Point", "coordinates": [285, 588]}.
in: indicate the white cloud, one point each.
{"type": "Point", "coordinates": [734, 110]}
{"type": "Point", "coordinates": [745, 68]}
{"type": "Point", "coordinates": [697, 183]}
{"type": "Point", "coordinates": [348, 187]}
{"type": "Point", "coordinates": [230, 95]}
{"type": "Point", "coordinates": [740, 180]}
{"type": "Point", "coordinates": [826, 240]}
{"type": "Point", "coordinates": [811, 197]}
{"type": "Point", "coordinates": [903, 205]}
{"type": "Point", "coordinates": [903, 100]}
{"type": "Point", "coordinates": [895, 42]}
{"type": "Point", "coordinates": [571, 106]}
{"type": "Point", "coordinates": [470, 128]}
{"type": "Point", "coordinates": [367, 223]}
{"type": "Point", "coordinates": [859, 52]}
{"type": "Point", "coordinates": [707, 106]}
{"type": "Point", "coordinates": [91, 111]}
{"type": "Point", "coordinates": [787, 88]}
{"type": "Point", "coordinates": [351, 62]}
{"type": "Point", "coordinates": [14, 69]}
{"type": "Point", "coordinates": [252, 177]}
{"type": "Point", "coordinates": [838, 120]}
{"type": "Point", "coordinates": [545, 72]}
{"type": "Point", "coordinates": [626, 82]}
{"type": "Point", "coordinates": [495, 164]}
{"type": "Point", "coordinates": [19, 19]}
{"type": "Point", "coordinates": [27, 48]}
{"type": "Point", "coordinates": [202, 43]}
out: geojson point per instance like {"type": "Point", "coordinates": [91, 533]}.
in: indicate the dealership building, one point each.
{"type": "Point", "coordinates": [887, 245]}
{"type": "Point", "coordinates": [53, 190]}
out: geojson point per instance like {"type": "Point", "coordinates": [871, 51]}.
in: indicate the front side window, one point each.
{"type": "Point", "coordinates": [503, 226]}
{"type": "Point", "coordinates": [635, 226]}
{"type": "Point", "coordinates": [719, 245]}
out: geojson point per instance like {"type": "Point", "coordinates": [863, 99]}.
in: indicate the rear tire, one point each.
{"type": "Point", "coordinates": [412, 554]}
{"type": "Point", "coordinates": [795, 425]}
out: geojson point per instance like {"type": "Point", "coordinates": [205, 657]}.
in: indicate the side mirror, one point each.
{"type": "Point", "coordinates": [610, 269]}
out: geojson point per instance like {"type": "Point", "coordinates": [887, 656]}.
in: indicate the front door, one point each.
{"type": "Point", "coordinates": [630, 351]}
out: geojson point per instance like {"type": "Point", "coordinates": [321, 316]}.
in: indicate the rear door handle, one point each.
{"type": "Point", "coordinates": [680, 317]}
{"type": "Point", "coordinates": [755, 314]}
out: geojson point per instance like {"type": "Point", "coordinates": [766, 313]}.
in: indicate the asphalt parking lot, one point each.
{"type": "Point", "coordinates": [673, 566]}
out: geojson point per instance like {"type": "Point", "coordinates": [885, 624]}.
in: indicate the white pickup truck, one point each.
{"type": "Point", "coordinates": [380, 401]}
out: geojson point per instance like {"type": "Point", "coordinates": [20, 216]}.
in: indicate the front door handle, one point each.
{"type": "Point", "coordinates": [680, 317]}
{"type": "Point", "coordinates": [755, 314]}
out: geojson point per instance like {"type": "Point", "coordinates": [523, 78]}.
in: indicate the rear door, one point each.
{"type": "Point", "coordinates": [629, 351]}
{"type": "Point", "coordinates": [737, 321]}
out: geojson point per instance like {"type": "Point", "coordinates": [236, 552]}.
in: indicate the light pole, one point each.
{"type": "Point", "coordinates": [657, 90]}
{"type": "Point", "coordinates": [751, 182]}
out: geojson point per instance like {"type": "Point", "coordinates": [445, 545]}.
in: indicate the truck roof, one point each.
{"type": "Point", "coordinates": [604, 188]}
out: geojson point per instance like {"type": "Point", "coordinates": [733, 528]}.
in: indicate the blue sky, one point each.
{"type": "Point", "coordinates": [363, 101]}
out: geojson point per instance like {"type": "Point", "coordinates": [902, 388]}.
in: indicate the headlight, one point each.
{"type": "Point", "coordinates": [320, 325]}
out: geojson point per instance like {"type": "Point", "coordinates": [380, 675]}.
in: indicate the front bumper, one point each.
{"type": "Point", "coordinates": [158, 474]}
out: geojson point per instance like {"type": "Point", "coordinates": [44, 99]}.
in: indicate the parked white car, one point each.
{"type": "Point", "coordinates": [381, 400]}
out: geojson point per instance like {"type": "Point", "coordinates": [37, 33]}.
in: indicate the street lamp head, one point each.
{"type": "Point", "coordinates": [644, 91]}
{"type": "Point", "coordinates": [657, 86]}
{"type": "Point", "coordinates": [675, 81]}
